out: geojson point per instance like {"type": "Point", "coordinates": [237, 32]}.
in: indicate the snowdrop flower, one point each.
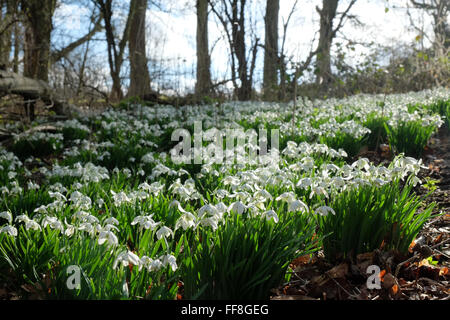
{"type": "Point", "coordinates": [207, 208]}
{"type": "Point", "coordinates": [145, 262]}
{"type": "Point", "coordinates": [170, 260]}
{"type": "Point", "coordinates": [263, 194]}
{"type": "Point", "coordinates": [287, 196]}
{"type": "Point", "coordinates": [29, 223]}
{"type": "Point", "coordinates": [126, 258]}
{"type": "Point", "coordinates": [271, 215]}
{"type": "Point", "coordinates": [186, 221]}
{"type": "Point", "coordinates": [304, 183]}
{"type": "Point", "coordinates": [70, 229]}
{"type": "Point", "coordinates": [324, 211]}
{"type": "Point", "coordinates": [155, 265]}
{"type": "Point", "coordinates": [145, 222]}
{"type": "Point", "coordinates": [362, 163]}
{"type": "Point", "coordinates": [318, 190]}
{"type": "Point", "coordinates": [42, 209]}
{"type": "Point", "coordinates": [164, 232]}
{"type": "Point", "coordinates": [237, 207]}
{"type": "Point", "coordinates": [298, 205]}
{"type": "Point", "coordinates": [6, 215]}
{"type": "Point", "coordinates": [9, 230]}
{"type": "Point", "coordinates": [32, 186]}
{"type": "Point", "coordinates": [112, 220]}
{"type": "Point", "coordinates": [176, 203]}
{"type": "Point", "coordinates": [212, 222]}
{"type": "Point", "coordinates": [53, 222]}
{"type": "Point", "coordinates": [109, 237]}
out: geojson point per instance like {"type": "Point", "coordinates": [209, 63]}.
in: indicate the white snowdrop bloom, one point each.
{"type": "Point", "coordinates": [271, 214]}
{"type": "Point", "coordinates": [297, 205]}
{"type": "Point", "coordinates": [108, 237]}
{"type": "Point", "coordinates": [362, 163]}
{"type": "Point", "coordinates": [338, 182]}
{"type": "Point", "coordinates": [112, 220]}
{"type": "Point", "coordinates": [70, 229]}
{"type": "Point", "coordinates": [221, 208]}
{"type": "Point", "coordinates": [120, 198]}
{"type": "Point", "coordinates": [304, 183]}
{"type": "Point", "coordinates": [109, 227]}
{"type": "Point", "coordinates": [318, 190]}
{"type": "Point", "coordinates": [186, 221]}
{"type": "Point", "coordinates": [176, 204]}
{"type": "Point", "coordinates": [57, 195]}
{"type": "Point", "coordinates": [91, 219]}
{"type": "Point", "coordinates": [12, 175]}
{"type": "Point", "coordinates": [212, 222]}
{"type": "Point", "coordinates": [379, 182]}
{"type": "Point", "coordinates": [100, 202]}
{"type": "Point", "coordinates": [230, 180]}
{"type": "Point", "coordinates": [29, 223]}
{"type": "Point", "coordinates": [415, 180]}
{"type": "Point", "coordinates": [6, 215]}
{"type": "Point", "coordinates": [155, 265]}
{"type": "Point", "coordinates": [237, 207]}
{"type": "Point", "coordinates": [87, 227]}
{"type": "Point", "coordinates": [126, 258]}
{"type": "Point", "coordinates": [221, 193]}
{"type": "Point", "coordinates": [263, 194]}
{"type": "Point", "coordinates": [164, 232]}
{"type": "Point", "coordinates": [207, 209]}
{"type": "Point", "coordinates": [287, 197]}
{"type": "Point", "coordinates": [77, 186]}
{"type": "Point", "coordinates": [32, 186]}
{"type": "Point", "coordinates": [171, 261]}
{"type": "Point", "coordinates": [9, 230]}
{"type": "Point", "coordinates": [145, 262]}
{"type": "Point", "coordinates": [324, 211]}
{"type": "Point", "coordinates": [53, 223]}
{"type": "Point", "coordinates": [145, 222]}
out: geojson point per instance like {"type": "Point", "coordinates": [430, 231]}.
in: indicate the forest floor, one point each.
{"type": "Point", "coordinates": [423, 274]}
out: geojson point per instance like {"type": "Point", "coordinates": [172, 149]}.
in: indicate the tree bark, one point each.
{"type": "Point", "coordinates": [39, 14]}
{"type": "Point", "coordinates": [139, 75]}
{"type": "Point", "coordinates": [238, 33]}
{"type": "Point", "coordinates": [115, 51]}
{"type": "Point", "coordinates": [271, 63]}
{"type": "Point", "coordinates": [323, 64]}
{"type": "Point", "coordinates": [6, 27]}
{"type": "Point", "coordinates": [204, 85]}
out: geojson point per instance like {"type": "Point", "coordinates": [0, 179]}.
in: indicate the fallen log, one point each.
{"type": "Point", "coordinates": [32, 89]}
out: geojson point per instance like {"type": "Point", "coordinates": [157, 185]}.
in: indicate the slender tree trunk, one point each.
{"type": "Point", "coordinates": [139, 75]}
{"type": "Point", "coordinates": [238, 32]}
{"type": "Point", "coordinates": [323, 63]}
{"type": "Point", "coordinates": [271, 63]}
{"type": "Point", "coordinates": [204, 84]}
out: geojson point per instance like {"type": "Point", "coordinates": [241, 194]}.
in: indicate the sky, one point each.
{"type": "Point", "coordinates": [172, 34]}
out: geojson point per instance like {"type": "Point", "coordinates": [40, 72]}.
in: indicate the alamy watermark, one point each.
{"type": "Point", "coordinates": [225, 146]}
{"type": "Point", "coordinates": [74, 277]}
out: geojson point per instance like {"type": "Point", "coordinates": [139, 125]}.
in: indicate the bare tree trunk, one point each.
{"type": "Point", "coordinates": [204, 85]}
{"type": "Point", "coordinates": [115, 51]}
{"type": "Point", "coordinates": [323, 64]}
{"type": "Point", "coordinates": [39, 14]}
{"type": "Point", "coordinates": [271, 63]}
{"type": "Point", "coordinates": [6, 26]}
{"type": "Point", "coordinates": [139, 75]}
